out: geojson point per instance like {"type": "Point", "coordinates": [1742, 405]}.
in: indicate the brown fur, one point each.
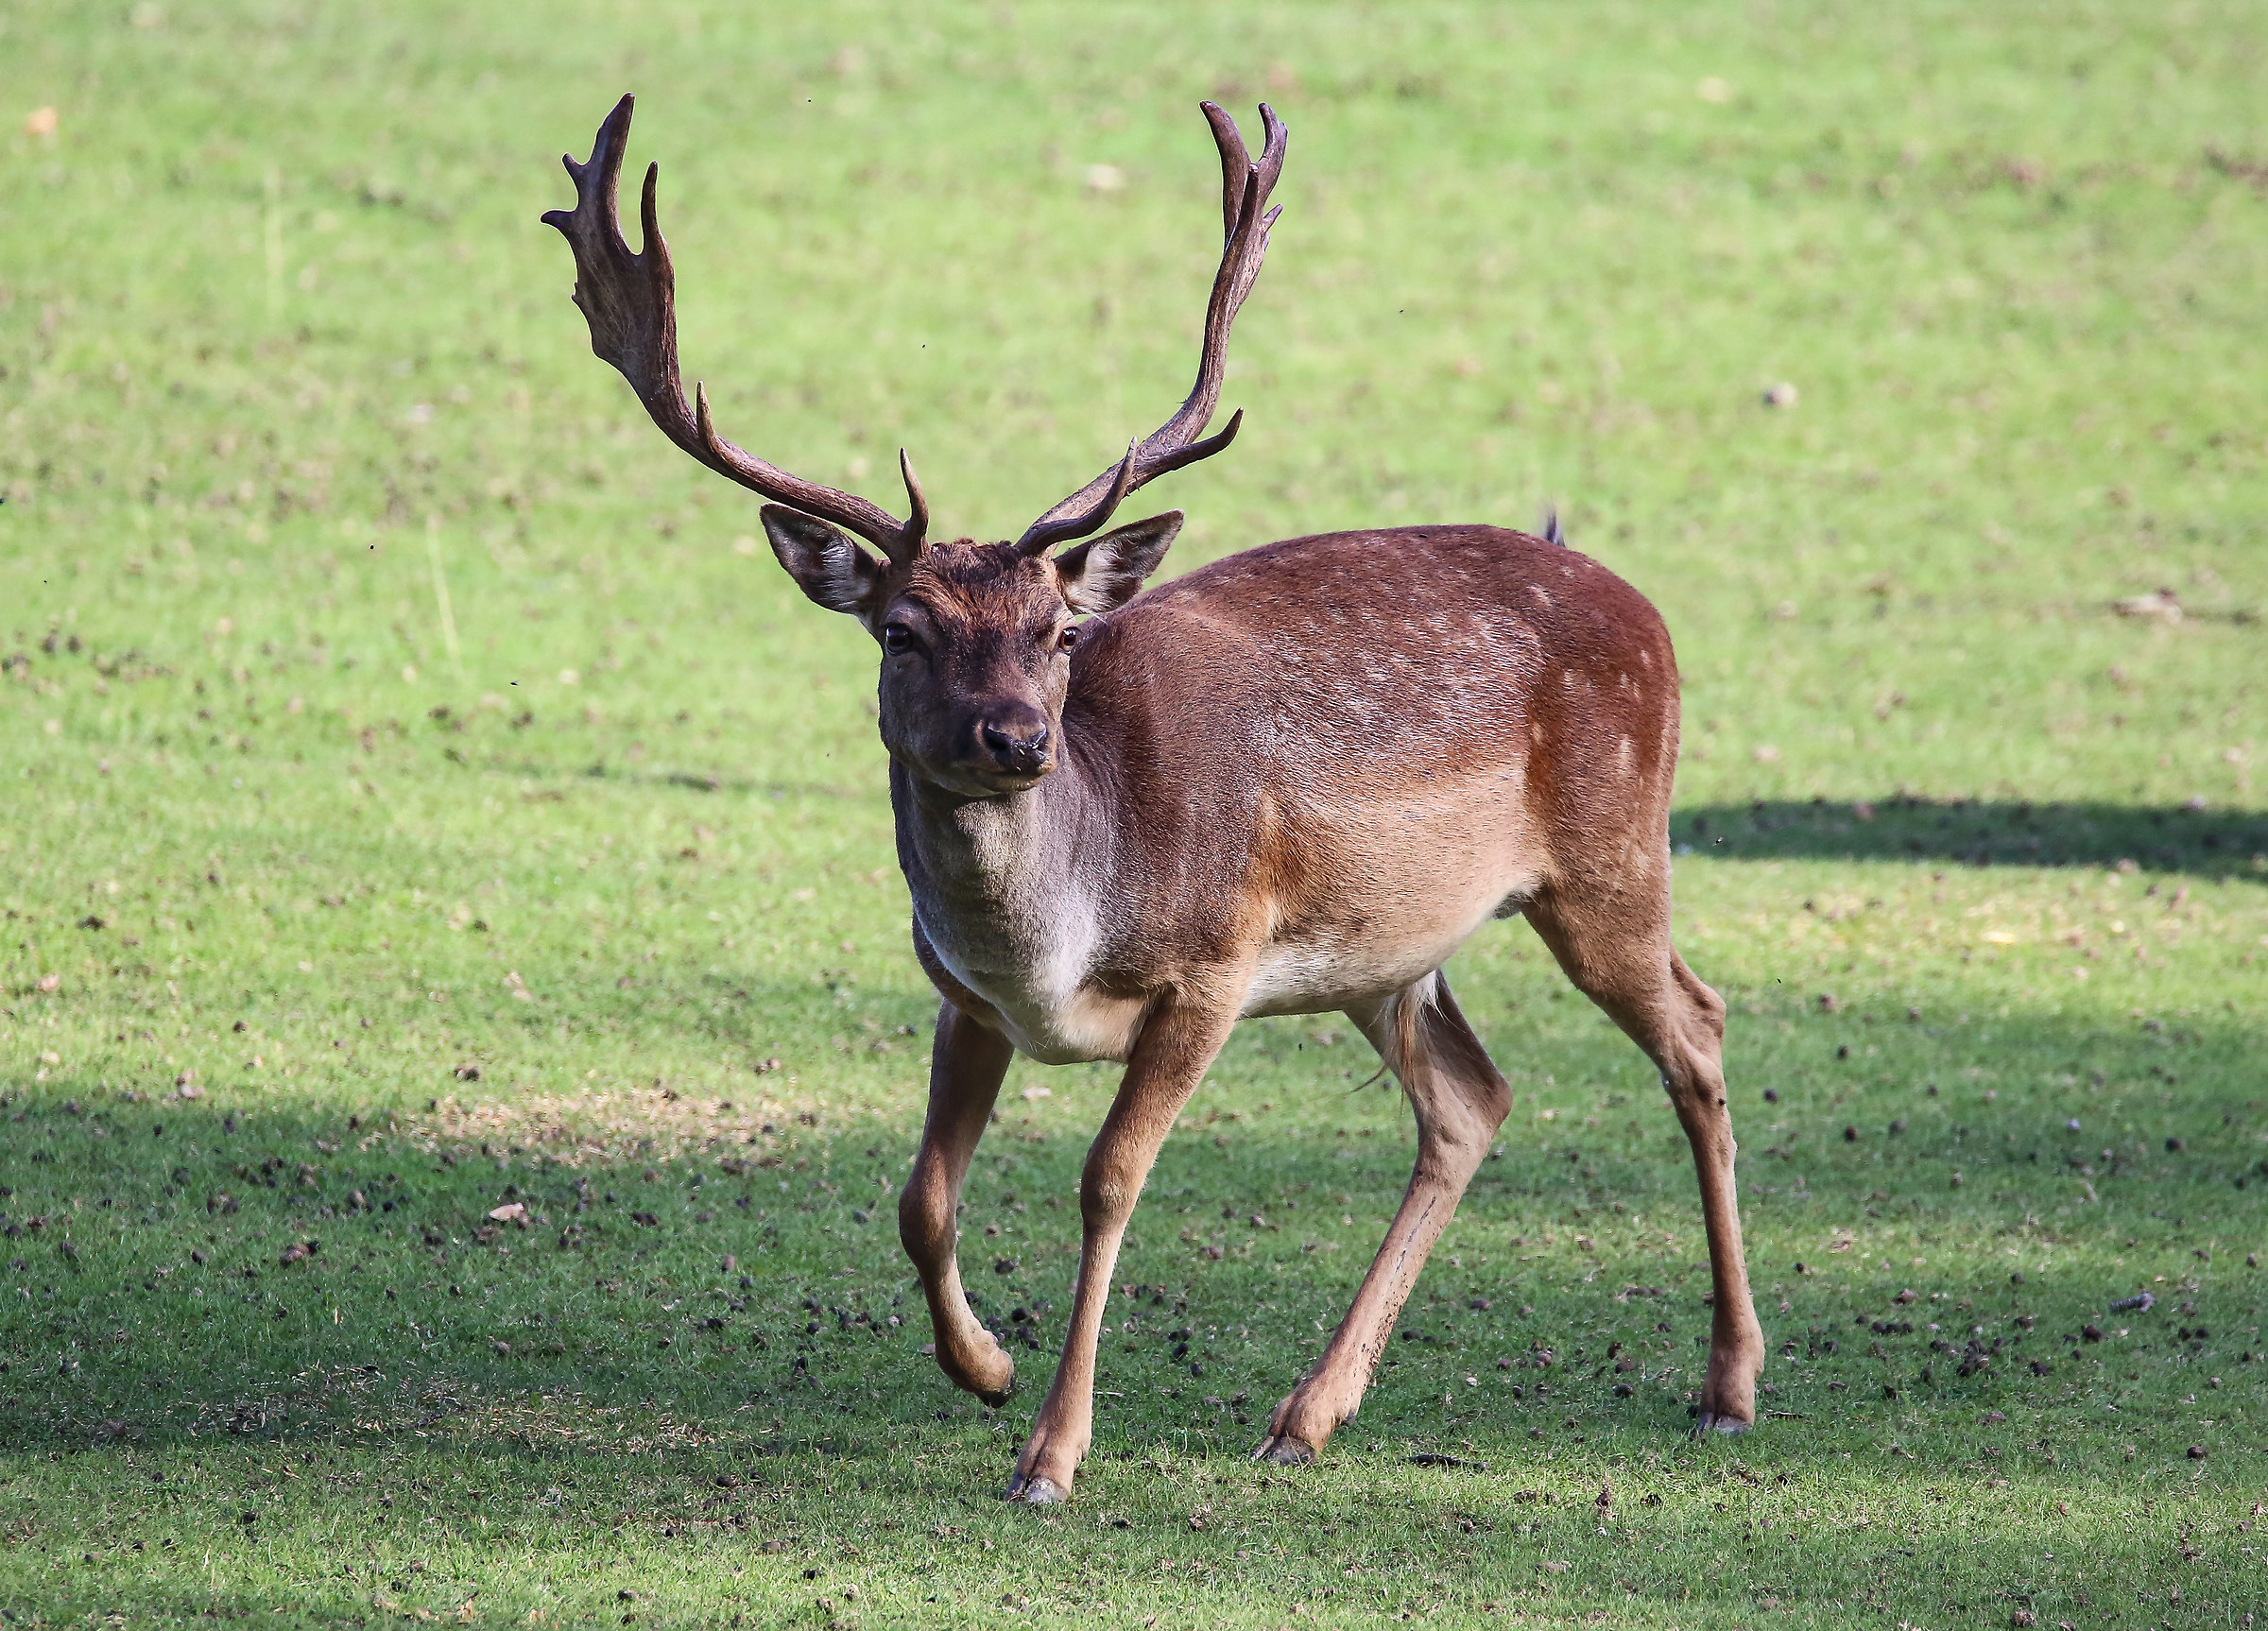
{"type": "Point", "coordinates": [1295, 781]}
{"type": "Point", "coordinates": [1292, 781]}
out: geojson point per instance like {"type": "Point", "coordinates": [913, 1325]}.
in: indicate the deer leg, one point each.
{"type": "Point", "coordinates": [1618, 953]}
{"type": "Point", "coordinates": [1460, 1101]}
{"type": "Point", "coordinates": [965, 1072]}
{"type": "Point", "coordinates": [1176, 1045]}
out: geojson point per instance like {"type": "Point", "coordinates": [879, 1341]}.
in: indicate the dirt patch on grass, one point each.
{"type": "Point", "coordinates": [603, 1128]}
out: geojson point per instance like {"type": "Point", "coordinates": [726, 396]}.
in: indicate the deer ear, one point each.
{"type": "Point", "coordinates": [826, 565]}
{"type": "Point", "coordinates": [1105, 573]}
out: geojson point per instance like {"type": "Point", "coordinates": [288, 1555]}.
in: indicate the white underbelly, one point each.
{"type": "Point", "coordinates": [1331, 967]}
{"type": "Point", "coordinates": [1317, 977]}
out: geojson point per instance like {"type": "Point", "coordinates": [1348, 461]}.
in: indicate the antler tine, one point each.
{"type": "Point", "coordinates": [1236, 164]}
{"type": "Point", "coordinates": [1043, 534]}
{"type": "Point", "coordinates": [630, 304]}
{"type": "Point", "coordinates": [1270, 166]}
{"type": "Point", "coordinates": [1236, 161]}
{"type": "Point", "coordinates": [917, 502]}
{"type": "Point", "coordinates": [1244, 189]}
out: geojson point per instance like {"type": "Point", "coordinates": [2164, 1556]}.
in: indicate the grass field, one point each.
{"type": "Point", "coordinates": [426, 794]}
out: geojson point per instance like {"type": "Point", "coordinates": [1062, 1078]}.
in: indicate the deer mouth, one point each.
{"type": "Point", "coordinates": [999, 779]}
{"type": "Point", "coordinates": [976, 777]}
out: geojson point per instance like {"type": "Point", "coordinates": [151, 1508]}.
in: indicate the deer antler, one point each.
{"type": "Point", "coordinates": [630, 301]}
{"type": "Point", "coordinates": [1244, 189]}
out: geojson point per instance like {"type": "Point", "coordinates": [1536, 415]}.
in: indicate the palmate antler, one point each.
{"type": "Point", "coordinates": [631, 305]}
{"type": "Point", "coordinates": [1244, 189]}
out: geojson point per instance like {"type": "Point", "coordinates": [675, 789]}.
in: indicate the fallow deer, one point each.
{"type": "Point", "coordinates": [1291, 782]}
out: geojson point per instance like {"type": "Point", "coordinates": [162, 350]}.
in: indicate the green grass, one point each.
{"type": "Point", "coordinates": [1973, 857]}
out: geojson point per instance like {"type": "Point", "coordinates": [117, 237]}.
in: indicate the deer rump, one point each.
{"type": "Point", "coordinates": [1315, 768]}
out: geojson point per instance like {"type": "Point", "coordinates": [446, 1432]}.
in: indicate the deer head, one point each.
{"type": "Point", "coordinates": [977, 638]}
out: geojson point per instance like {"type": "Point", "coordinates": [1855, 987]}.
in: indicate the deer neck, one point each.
{"type": "Point", "coordinates": [988, 858]}
{"type": "Point", "coordinates": [1006, 889]}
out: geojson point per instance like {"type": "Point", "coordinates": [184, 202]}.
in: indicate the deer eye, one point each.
{"type": "Point", "coordinates": [897, 639]}
{"type": "Point", "coordinates": [1068, 638]}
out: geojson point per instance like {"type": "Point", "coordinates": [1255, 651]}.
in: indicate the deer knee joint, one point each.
{"type": "Point", "coordinates": [1104, 1199]}
{"type": "Point", "coordinates": [1694, 1091]}
{"type": "Point", "coordinates": [925, 1225]}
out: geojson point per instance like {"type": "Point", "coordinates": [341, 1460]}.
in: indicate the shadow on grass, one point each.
{"type": "Point", "coordinates": [1975, 833]}
{"type": "Point", "coordinates": [551, 781]}
{"type": "Point", "coordinates": [154, 1293]}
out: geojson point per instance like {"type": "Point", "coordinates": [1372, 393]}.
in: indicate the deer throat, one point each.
{"type": "Point", "coordinates": [1013, 904]}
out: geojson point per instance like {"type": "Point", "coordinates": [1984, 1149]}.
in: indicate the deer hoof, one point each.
{"type": "Point", "coordinates": [1711, 1421]}
{"type": "Point", "coordinates": [1282, 1449]}
{"type": "Point", "coordinates": [1035, 1491]}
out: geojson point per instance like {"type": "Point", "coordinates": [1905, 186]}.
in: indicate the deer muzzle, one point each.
{"type": "Point", "coordinates": [1016, 741]}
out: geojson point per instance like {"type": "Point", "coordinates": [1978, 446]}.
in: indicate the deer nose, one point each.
{"type": "Point", "coordinates": [1016, 741]}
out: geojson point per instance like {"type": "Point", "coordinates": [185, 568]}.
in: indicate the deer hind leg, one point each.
{"type": "Point", "coordinates": [965, 1072]}
{"type": "Point", "coordinates": [1617, 950]}
{"type": "Point", "coordinates": [1460, 1101]}
{"type": "Point", "coordinates": [1178, 1043]}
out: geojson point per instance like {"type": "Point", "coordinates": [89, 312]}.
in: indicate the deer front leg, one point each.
{"type": "Point", "coordinates": [1460, 1101]}
{"type": "Point", "coordinates": [965, 1072]}
{"type": "Point", "coordinates": [1176, 1045]}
